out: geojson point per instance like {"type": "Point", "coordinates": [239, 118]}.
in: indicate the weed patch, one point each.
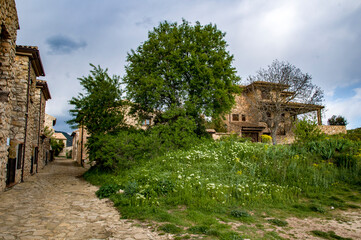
{"type": "Point", "coordinates": [328, 235]}
{"type": "Point", "coordinates": [278, 222]}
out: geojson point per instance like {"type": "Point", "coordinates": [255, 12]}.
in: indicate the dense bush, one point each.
{"type": "Point", "coordinates": [107, 190]}
{"type": "Point", "coordinates": [306, 131]}
{"type": "Point", "coordinates": [56, 145]}
{"type": "Point", "coordinates": [354, 134]}
{"type": "Point", "coordinates": [131, 146]}
{"type": "Point", "coordinates": [266, 139]}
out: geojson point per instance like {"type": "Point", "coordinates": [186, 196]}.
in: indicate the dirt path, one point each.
{"type": "Point", "coordinates": [346, 224]}
{"type": "Point", "coordinates": [57, 204]}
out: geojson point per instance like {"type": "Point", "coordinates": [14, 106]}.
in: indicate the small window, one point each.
{"type": "Point", "coordinates": [19, 156]}
{"type": "Point", "coordinates": [266, 94]}
{"type": "Point", "coordinates": [146, 122]}
{"type": "Point", "coordinates": [243, 118]}
{"type": "Point", "coordinates": [235, 117]}
{"type": "Point", "coordinates": [269, 115]}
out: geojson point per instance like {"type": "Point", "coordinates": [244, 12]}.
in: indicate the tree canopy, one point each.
{"type": "Point", "coordinates": [282, 88]}
{"type": "Point", "coordinates": [182, 66]}
{"type": "Point", "coordinates": [337, 120]}
{"type": "Point", "coordinates": [98, 108]}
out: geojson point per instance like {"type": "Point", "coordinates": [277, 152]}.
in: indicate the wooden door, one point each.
{"type": "Point", "coordinates": [11, 170]}
{"type": "Point", "coordinates": [252, 135]}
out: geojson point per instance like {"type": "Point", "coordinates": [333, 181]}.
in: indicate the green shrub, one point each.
{"type": "Point", "coordinates": [278, 222]}
{"type": "Point", "coordinates": [164, 186]}
{"type": "Point", "coordinates": [317, 208]}
{"type": "Point", "coordinates": [328, 235]}
{"type": "Point", "coordinates": [131, 188]}
{"type": "Point", "coordinates": [345, 160]}
{"type": "Point", "coordinates": [306, 131]}
{"type": "Point", "coordinates": [130, 147]}
{"type": "Point", "coordinates": [170, 228]}
{"type": "Point", "coordinates": [240, 213]}
{"type": "Point", "coordinates": [198, 229]}
{"type": "Point", "coordinates": [107, 190]}
{"type": "Point", "coordinates": [56, 145]}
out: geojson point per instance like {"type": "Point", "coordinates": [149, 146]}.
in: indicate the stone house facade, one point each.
{"type": "Point", "coordinates": [29, 148]}
{"type": "Point", "coordinates": [79, 151]}
{"type": "Point", "coordinates": [244, 117]}
{"type": "Point", "coordinates": [9, 25]}
{"type": "Point", "coordinates": [60, 137]}
{"type": "Point", "coordinates": [50, 121]}
{"type": "Point", "coordinates": [23, 146]}
{"type": "Point", "coordinates": [43, 139]}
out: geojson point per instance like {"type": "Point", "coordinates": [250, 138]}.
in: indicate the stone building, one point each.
{"type": "Point", "coordinates": [244, 117]}
{"type": "Point", "coordinates": [79, 151]}
{"type": "Point", "coordinates": [9, 25]}
{"type": "Point", "coordinates": [43, 140]}
{"type": "Point", "coordinates": [60, 137]}
{"type": "Point", "coordinates": [29, 147]}
{"type": "Point", "coordinates": [50, 122]}
{"type": "Point", "coordinates": [23, 146]}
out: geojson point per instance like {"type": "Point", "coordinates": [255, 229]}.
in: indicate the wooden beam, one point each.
{"type": "Point", "coordinates": [319, 119]}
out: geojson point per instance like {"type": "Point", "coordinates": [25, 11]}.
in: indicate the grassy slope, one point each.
{"type": "Point", "coordinates": [204, 189]}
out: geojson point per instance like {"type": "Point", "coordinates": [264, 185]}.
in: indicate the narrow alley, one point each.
{"type": "Point", "coordinates": [57, 203]}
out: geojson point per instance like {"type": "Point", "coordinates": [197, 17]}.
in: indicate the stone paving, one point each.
{"type": "Point", "coordinates": [57, 203]}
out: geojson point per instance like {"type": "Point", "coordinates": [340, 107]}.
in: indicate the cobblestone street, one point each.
{"type": "Point", "coordinates": [57, 203]}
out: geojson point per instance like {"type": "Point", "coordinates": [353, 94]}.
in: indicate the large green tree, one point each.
{"type": "Point", "coordinates": [98, 109]}
{"type": "Point", "coordinates": [337, 120]}
{"type": "Point", "coordinates": [182, 66]}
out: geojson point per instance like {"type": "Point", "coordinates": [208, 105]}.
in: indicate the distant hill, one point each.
{"type": "Point", "coordinates": [69, 140]}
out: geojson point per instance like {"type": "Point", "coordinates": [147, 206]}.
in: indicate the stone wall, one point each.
{"type": "Point", "coordinates": [8, 26]}
{"type": "Point", "coordinates": [79, 151]}
{"type": "Point", "coordinates": [43, 142]}
{"type": "Point", "coordinates": [28, 109]}
{"type": "Point", "coordinates": [332, 130]}
{"type": "Point", "coordinates": [50, 122]}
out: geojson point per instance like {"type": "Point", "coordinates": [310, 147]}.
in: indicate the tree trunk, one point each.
{"type": "Point", "coordinates": [274, 135]}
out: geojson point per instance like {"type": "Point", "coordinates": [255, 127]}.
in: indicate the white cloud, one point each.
{"type": "Point", "coordinates": [322, 38]}
{"type": "Point", "coordinates": [348, 108]}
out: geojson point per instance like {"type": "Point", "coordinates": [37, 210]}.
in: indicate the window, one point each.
{"type": "Point", "coordinates": [265, 94]}
{"type": "Point", "coordinates": [269, 115]}
{"type": "Point", "coordinates": [243, 118]}
{"type": "Point", "coordinates": [235, 117]}
{"type": "Point", "coordinates": [146, 122]}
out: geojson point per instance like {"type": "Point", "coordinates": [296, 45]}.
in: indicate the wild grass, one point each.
{"type": "Point", "coordinates": [194, 190]}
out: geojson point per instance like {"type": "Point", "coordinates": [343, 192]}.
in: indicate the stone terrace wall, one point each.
{"type": "Point", "coordinates": [8, 27]}
{"type": "Point", "coordinates": [332, 130]}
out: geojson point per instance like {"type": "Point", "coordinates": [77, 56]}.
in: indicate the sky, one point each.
{"type": "Point", "coordinates": [321, 37]}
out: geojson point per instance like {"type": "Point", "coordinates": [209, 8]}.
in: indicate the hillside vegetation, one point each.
{"type": "Point", "coordinates": [200, 190]}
